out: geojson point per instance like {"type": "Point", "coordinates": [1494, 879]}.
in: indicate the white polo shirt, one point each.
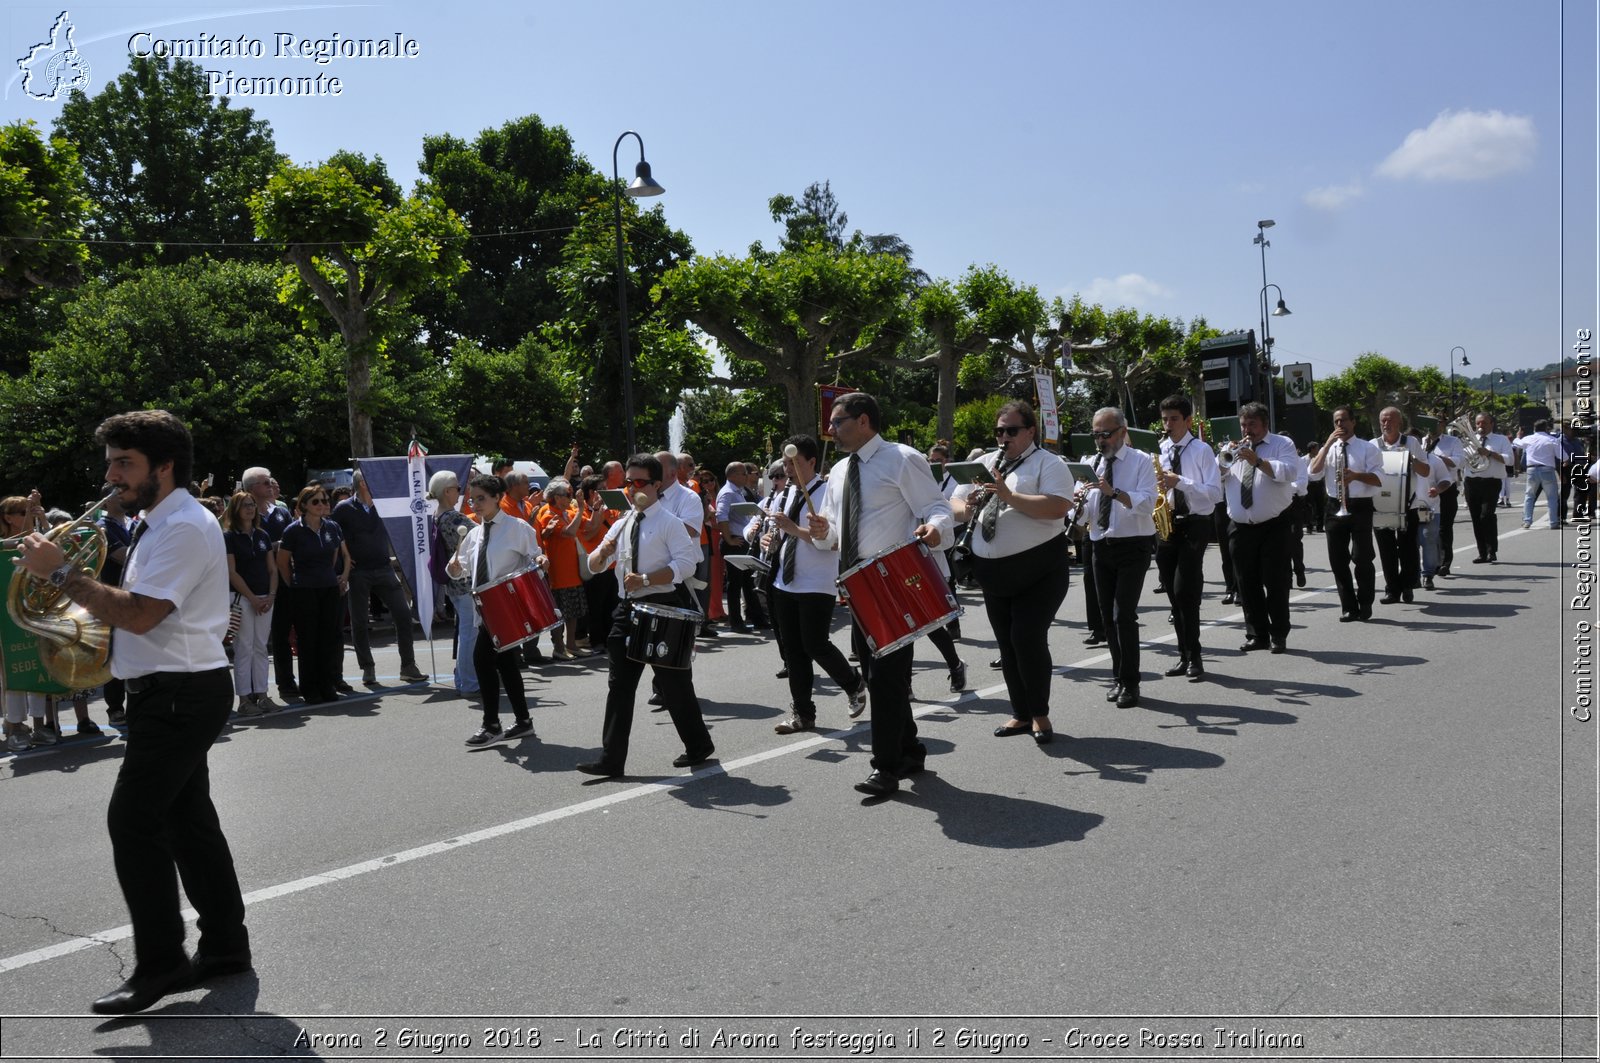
{"type": "Point", "coordinates": [180, 559]}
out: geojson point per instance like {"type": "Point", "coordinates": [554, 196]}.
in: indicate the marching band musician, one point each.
{"type": "Point", "coordinates": [1399, 549]}
{"type": "Point", "coordinates": [1449, 449]}
{"type": "Point", "coordinates": [1119, 504]}
{"type": "Point", "coordinates": [804, 588]}
{"type": "Point", "coordinates": [1432, 488]}
{"type": "Point", "coordinates": [1193, 488]}
{"type": "Point", "coordinates": [1019, 549]}
{"type": "Point", "coordinates": [1350, 468]}
{"type": "Point", "coordinates": [887, 495]}
{"type": "Point", "coordinates": [655, 554]}
{"type": "Point", "coordinates": [1483, 489]}
{"type": "Point", "coordinates": [499, 545]}
{"type": "Point", "coordinates": [1259, 487]}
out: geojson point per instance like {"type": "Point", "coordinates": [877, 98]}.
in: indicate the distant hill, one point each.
{"type": "Point", "coordinates": [1532, 379]}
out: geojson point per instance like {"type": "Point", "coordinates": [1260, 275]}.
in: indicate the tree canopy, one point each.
{"type": "Point", "coordinates": [42, 207]}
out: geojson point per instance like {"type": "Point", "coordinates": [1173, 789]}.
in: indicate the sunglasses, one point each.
{"type": "Point", "coordinates": [320, 500]}
{"type": "Point", "coordinates": [1008, 430]}
{"type": "Point", "coordinates": [1105, 435]}
{"type": "Point", "coordinates": [631, 482]}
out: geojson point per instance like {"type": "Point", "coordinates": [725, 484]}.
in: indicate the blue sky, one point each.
{"type": "Point", "coordinates": [1413, 153]}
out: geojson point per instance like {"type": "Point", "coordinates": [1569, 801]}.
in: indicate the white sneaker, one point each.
{"type": "Point", "coordinates": [858, 701]}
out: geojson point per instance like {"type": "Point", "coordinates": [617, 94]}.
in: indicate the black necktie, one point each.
{"type": "Point", "coordinates": [989, 518]}
{"type": "Point", "coordinates": [633, 543]}
{"type": "Point", "coordinates": [1247, 487]}
{"type": "Point", "coordinates": [480, 577]}
{"type": "Point", "coordinates": [850, 536]}
{"type": "Point", "coordinates": [138, 533]}
{"type": "Point", "coordinates": [791, 546]}
{"type": "Point", "coordinates": [1105, 499]}
{"type": "Point", "coordinates": [1180, 504]}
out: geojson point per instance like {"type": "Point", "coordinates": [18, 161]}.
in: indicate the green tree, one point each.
{"type": "Point", "coordinates": [361, 252]}
{"type": "Point", "coordinates": [780, 317]}
{"type": "Point", "coordinates": [41, 212]}
{"type": "Point", "coordinates": [168, 165]}
{"type": "Point", "coordinates": [1118, 347]}
{"type": "Point", "coordinates": [531, 400]}
{"type": "Point", "coordinates": [1371, 383]}
{"type": "Point", "coordinates": [1184, 360]}
{"type": "Point", "coordinates": [522, 190]}
{"type": "Point", "coordinates": [725, 425]}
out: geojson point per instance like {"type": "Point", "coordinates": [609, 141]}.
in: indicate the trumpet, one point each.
{"type": "Point", "coordinates": [1341, 463]}
{"type": "Point", "coordinates": [1226, 453]}
{"type": "Point", "coordinates": [74, 645]}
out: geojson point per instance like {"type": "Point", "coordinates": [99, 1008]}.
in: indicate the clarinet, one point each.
{"type": "Point", "coordinates": [1000, 474]}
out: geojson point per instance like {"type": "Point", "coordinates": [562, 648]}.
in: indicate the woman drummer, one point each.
{"type": "Point", "coordinates": [500, 545]}
{"type": "Point", "coordinates": [1019, 551]}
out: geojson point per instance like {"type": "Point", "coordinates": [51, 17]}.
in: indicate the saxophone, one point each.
{"type": "Point", "coordinates": [1162, 514]}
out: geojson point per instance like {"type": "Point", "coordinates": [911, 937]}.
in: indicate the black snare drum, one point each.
{"type": "Point", "coordinates": [662, 635]}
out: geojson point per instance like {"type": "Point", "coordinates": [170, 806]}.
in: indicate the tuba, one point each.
{"type": "Point", "coordinates": [1163, 512]}
{"type": "Point", "coordinates": [74, 645]}
{"type": "Point", "coordinates": [1477, 456]}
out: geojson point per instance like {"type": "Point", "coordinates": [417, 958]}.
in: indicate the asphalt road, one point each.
{"type": "Point", "coordinates": [1379, 844]}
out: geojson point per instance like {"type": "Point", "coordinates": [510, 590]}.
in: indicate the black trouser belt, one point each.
{"type": "Point", "coordinates": [151, 680]}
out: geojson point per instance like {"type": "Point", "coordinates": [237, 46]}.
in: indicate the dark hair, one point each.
{"type": "Point", "coordinates": [307, 493]}
{"type": "Point", "coordinates": [941, 447]}
{"type": "Point", "coordinates": [1022, 408]}
{"type": "Point", "coordinates": [1179, 403]}
{"type": "Point", "coordinates": [156, 434]}
{"type": "Point", "coordinates": [806, 445]}
{"type": "Point", "coordinates": [648, 462]}
{"type": "Point", "coordinates": [230, 514]}
{"type": "Point", "coordinates": [589, 484]}
{"type": "Point", "coordinates": [1346, 409]}
{"type": "Point", "coordinates": [857, 403]}
{"type": "Point", "coordinates": [1253, 410]}
{"type": "Point", "coordinates": [488, 484]}
{"type": "Point", "coordinates": [1542, 425]}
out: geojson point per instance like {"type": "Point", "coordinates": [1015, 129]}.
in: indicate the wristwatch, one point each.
{"type": "Point", "coordinates": [59, 577]}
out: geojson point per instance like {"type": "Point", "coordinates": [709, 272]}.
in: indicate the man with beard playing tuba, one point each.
{"type": "Point", "coordinates": [170, 613]}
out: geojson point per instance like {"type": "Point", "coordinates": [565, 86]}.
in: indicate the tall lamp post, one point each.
{"type": "Point", "coordinates": [643, 185]}
{"type": "Point", "coordinates": [1266, 331]}
{"type": "Point", "coordinates": [1464, 364]}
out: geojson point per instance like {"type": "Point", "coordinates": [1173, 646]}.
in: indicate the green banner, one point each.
{"type": "Point", "coordinates": [20, 667]}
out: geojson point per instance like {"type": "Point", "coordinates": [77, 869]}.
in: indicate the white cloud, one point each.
{"type": "Point", "coordinates": [1332, 197]}
{"type": "Point", "coordinates": [1464, 146]}
{"type": "Point", "coordinates": [1130, 289]}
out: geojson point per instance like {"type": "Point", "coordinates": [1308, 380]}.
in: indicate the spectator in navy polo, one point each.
{"type": "Point", "coordinates": [368, 541]}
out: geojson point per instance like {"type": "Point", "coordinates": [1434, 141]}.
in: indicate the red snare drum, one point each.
{"type": "Point", "coordinates": [898, 596]}
{"type": "Point", "coordinates": [516, 608]}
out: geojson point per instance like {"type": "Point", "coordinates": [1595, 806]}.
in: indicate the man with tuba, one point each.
{"type": "Point", "coordinates": [1350, 466]}
{"type": "Point", "coordinates": [1193, 488]}
{"type": "Point", "coordinates": [171, 613]}
{"type": "Point", "coordinates": [1483, 482]}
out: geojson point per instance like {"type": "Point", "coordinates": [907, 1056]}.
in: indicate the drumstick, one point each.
{"type": "Point", "coordinates": [791, 452]}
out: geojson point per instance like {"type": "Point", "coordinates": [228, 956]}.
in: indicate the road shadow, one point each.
{"type": "Point", "coordinates": [1217, 719]}
{"type": "Point", "coordinates": [1464, 609]}
{"type": "Point", "coordinates": [1127, 759]}
{"type": "Point", "coordinates": [223, 1024]}
{"type": "Point", "coordinates": [995, 821]}
{"type": "Point", "coordinates": [534, 756]}
{"type": "Point", "coordinates": [733, 794]}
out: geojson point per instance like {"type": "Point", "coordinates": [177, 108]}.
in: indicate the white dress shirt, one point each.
{"type": "Point", "coordinates": [1271, 495]}
{"type": "Point", "coordinates": [513, 548]}
{"type": "Point", "coordinates": [1496, 471]}
{"type": "Point", "coordinates": [1542, 450]}
{"type": "Point", "coordinates": [898, 493]}
{"type": "Point", "coordinates": [1439, 475]}
{"type": "Point", "coordinates": [1039, 473]}
{"type": "Point", "coordinates": [685, 504]}
{"type": "Point", "coordinates": [663, 542]}
{"type": "Point", "coordinates": [1200, 481]}
{"type": "Point", "coordinates": [1449, 448]}
{"type": "Point", "coordinates": [1133, 474]}
{"type": "Point", "coordinates": [816, 566]}
{"type": "Point", "coordinates": [1363, 456]}
{"type": "Point", "coordinates": [181, 559]}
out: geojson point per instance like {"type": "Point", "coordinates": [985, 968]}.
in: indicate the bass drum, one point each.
{"type": "Point", "coordinates": [662, 635]}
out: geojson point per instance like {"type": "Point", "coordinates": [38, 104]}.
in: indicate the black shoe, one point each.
{"type": "Point", "coordinates": [1161, 588]}
{"type": "Point", "coordinates": [208, 967]}
{"type": "Point", "coordinates": [1007, 731]}
{"type": "Point", "coordinates": [878, 784]}
{"type": "Point", "coordinates": [141, 991]}
{"type": "Point", "coordinates": [958, 678]}
{"type": "Point", "coordinates": [741, 629]}
{"type": "Point", "coordinates": [1407, 597]}
{"type": "Point", "coordinates": [781, 673]}
{"type": "Point", "coordinates": [1231, 598]}
{"type": "Point", "coordinates": [1427, 584]}
{"type": "Point", "coordinates": [1196, 670]}
{"type": "Point", "coordinates": [1480, 561]}
{"type": "Point", "coordinates": [654, 699]}
{"type": "Point", "coordinates": [1443, 572]}
{"type": "Point", "coordinates": [484, 737]}
{"type": "Point", "coordinates": [1095, 639]}
{"type": "Point", "coordinates": [598, 767]}
{"type": "Point", "coordinates": [998, 662]}
{"type": "Point", "coordinates": [1346, 618]}
{"type": "Point", "coordinates": [518, 729]}
{"type": "Point", "coordinates": [1115, 692]}
{"type": "Point", "coordinates": [341, 687]}
{"type": "Point", "coordinates": [287, 691]}
{"type": "Point", "coordinates": [688, 760]}
{"type": "Point", "coordinates": [708, 632]}
{"type": "Point", "coordinates": [1178, 669]}
{"type": "Point", "coordinates": [1043, 737]}
{"type": "Point", "coordinates": [1129, 698]}
{"type": "Point", "coordinates": [412, 674]}
{"type": "Point", "coordinates": [1300, 578]}
{"type": "Point", "coordinates": [1366, 612]}
{"type": "Point", "coordinates": [1389, 599]}
{"type": "Point", "coordinates": [1494, 557]}
{"type": "Point", "coordinates": [1278, 646]}
{"type": "Point", "coordinates": [1253, 644]}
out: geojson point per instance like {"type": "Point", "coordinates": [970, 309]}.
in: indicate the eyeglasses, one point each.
{"type": "Point", "coordinates": [1105, 435]}
{"type": "Point", "coordinates": [1009, 430]}
{"type": "Point", "coordinates": [320, 500]}
{"type": "Point", "coordinates": [631, 482]}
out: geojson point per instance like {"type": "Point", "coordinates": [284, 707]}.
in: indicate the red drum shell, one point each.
{"type": "Point", "coordinates": [898, 596]}
{"type": "Point", "coordinates": [516, 608]}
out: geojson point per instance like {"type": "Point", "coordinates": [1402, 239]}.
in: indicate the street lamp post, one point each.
{"type": "Point", "coordinates": [1464, 364]}
{"type": "Point", "coordinates": [643, 185]}
{"type": "Point", "coordinates": [1266, 330]}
